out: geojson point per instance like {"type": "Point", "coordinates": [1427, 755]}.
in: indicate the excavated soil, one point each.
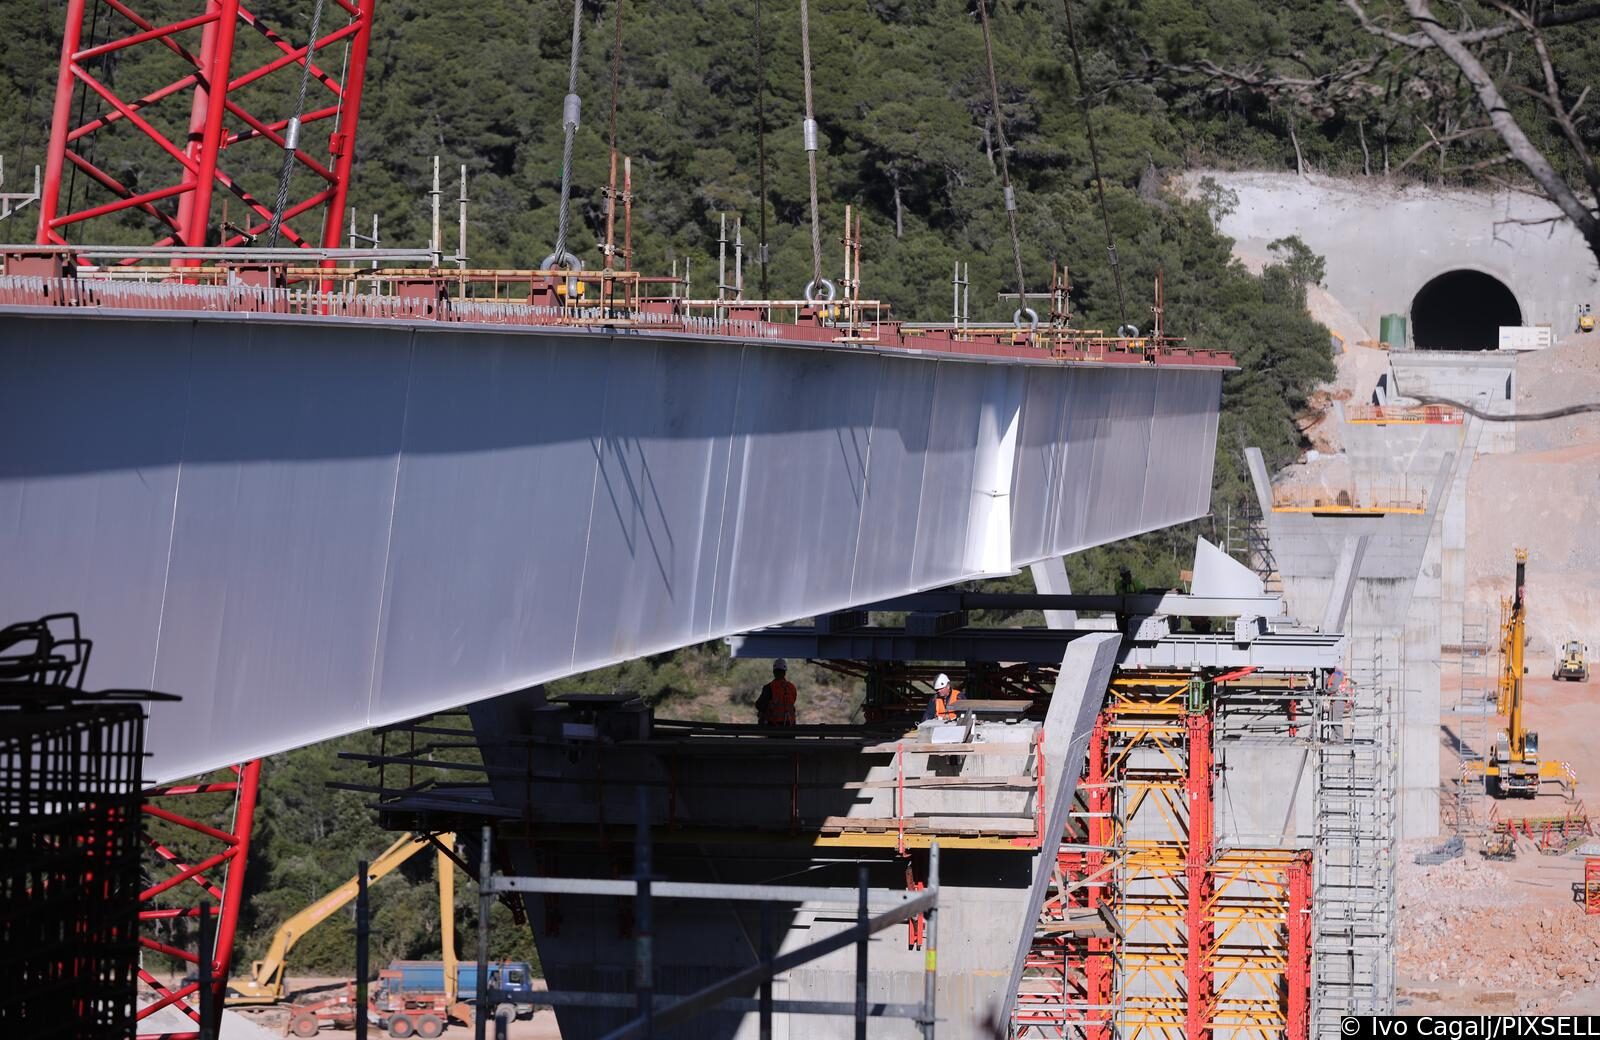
{"type": "Point", "coordinates": [1478, 936]}
{"type": "Point", "coordinates": [1543, 497]}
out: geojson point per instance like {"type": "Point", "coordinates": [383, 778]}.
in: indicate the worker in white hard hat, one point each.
{"type": "Point", "coordinates": [775, 706]}
{"type": "Point", "coordinates": [942, 705]}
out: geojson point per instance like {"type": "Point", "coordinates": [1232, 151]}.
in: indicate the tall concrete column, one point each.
{"type": "Point", "coordinates": [1050, 578]}
{"type": "Point", "coordinates": [1074, 704]}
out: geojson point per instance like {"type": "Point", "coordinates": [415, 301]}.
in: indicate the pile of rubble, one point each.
{"type": "Point", "coordinates": [1475, 926]}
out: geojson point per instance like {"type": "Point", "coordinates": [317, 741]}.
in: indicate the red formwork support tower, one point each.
{"type": "Point", "coordinates": [1098, 966]}
{"type": "Point", "coordinates": [218, 875]}
{"type": "Point", "coordinates": [1197, 868]}
{"type": "Point", "coordinates": [210, 69]}
{"type": "Point", "coordinates": [1297, 972]}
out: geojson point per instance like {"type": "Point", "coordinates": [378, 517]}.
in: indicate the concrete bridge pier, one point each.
{"type": "Point", "coordinates": [748, 806]}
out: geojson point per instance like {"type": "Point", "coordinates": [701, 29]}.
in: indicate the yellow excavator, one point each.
{"type": "Point", "coordinates": [265, 984]}
{"type": "Point", "coordinates": [1514, 769]}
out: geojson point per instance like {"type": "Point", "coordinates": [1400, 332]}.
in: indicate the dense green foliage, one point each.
{"type": "Point", "coordinates": [902, 100]}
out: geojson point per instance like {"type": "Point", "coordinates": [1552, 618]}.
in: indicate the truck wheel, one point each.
{"type": "Point", "coordinates": [429, 1026]}
{"type": "Point", "coordinates": [401, 1026]}
{"type": "Point", "coordinates": [304, 1026]}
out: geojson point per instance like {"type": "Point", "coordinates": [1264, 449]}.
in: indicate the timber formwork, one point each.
{"type": "Point", "coordinates": [1153, 928]}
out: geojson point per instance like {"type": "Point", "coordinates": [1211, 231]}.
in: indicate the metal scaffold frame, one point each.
{"type": "Point", "coordinates": [1354, 895]}
{"type": "Point", "coordinates": [1473, 715]}
{"type": "Point", "coordinates": [1152, 929]}
{"type": "Point", "coordinates": [918, 909]}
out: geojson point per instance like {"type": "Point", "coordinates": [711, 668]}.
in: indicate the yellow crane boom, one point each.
{"type": "Point", "coordinates": [265, 984]}
{"type": "Point", "coordinates": [1514, 768]}
{"type": "Point", "coordinates": [447, 921]}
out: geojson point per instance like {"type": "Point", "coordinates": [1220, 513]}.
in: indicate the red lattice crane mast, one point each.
{"type": "Point", "coordinates": [216, 63]}
{"type": "Point", "coordinates": [201, 120]}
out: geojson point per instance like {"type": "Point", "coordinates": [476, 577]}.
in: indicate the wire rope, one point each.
{"type": "Point", "coordinates": [1094, 162]}
{"type": "Point", "coordinates": [83, 96]}
{"type": "Point", "coordinates": [761, 147]}
{"type": "Point", "coordinates": [809, 136]}
{"type": "Point", "coordinates": [570, 111]}
{"type": "Point", "coordinates": [291, 136]}
{"type": "Point", "coordinates": [1005, 169]}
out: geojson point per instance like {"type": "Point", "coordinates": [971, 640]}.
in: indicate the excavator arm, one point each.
{"type": "Point", "coordinates": [265, 984]}
{"type": "Point", "coordinates": [447, 920]}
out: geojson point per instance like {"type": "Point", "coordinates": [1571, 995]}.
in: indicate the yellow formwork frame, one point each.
{"type": "Point", "coordinates": [1147, 764]}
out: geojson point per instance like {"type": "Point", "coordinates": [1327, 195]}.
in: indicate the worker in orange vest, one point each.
{"type": "Point", "coordinates": [775, 706]}
{"type": "Point", "coordinates": [942, 705]}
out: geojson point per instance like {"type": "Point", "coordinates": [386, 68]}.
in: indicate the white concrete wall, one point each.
{"type": "Point", "coordinates": [1383, 243]}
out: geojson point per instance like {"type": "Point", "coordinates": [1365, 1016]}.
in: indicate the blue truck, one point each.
{"type": "Point", "coordinates": [510, 982]}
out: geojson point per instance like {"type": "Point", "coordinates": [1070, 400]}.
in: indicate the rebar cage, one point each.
{"type": "Point", "coordinates": [70, 838]}
{"type": "Point", "coordinates": [69, 868]}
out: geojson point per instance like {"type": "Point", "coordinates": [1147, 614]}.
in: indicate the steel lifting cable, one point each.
{"type": "Point", "coordinates": [616, 74]}
{"type": "Point", "coordinates": [291, 134]}
{"type": "Point", "coordinates": [570, 108]}
{"type": "Point", "coordinates": [83, 97]}
{"type": "Point", "coordinates": [761, 146]}
{"type": "Point", "coordinates": [1094, 162]}
{"type": "Point", "coordinates": [808, 131]}
{"type": "Point", "coordinates": [1005, 171]}
{"type": "Point", "coordinates": [611, 188]}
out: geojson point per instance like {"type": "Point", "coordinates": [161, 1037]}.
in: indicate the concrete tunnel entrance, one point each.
{"type": "Point", "coordinates": [1462, 310]}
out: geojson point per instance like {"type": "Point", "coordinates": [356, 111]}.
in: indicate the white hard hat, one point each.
{"type": "Point", "coordinates": [780, 665]}
{"type": "Point", "coordinates": [942, 682]}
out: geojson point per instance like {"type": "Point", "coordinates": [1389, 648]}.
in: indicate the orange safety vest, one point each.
{"type": "Point", "coordinates": [944, 704]}
{"type": "Point", "coordinates": [780, 707]}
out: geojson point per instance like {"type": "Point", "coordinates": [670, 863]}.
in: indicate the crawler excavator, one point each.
{"type": "Point", "coordinates": [1514, 769]}
{"type": "Point", "coordinates": [265, 984]}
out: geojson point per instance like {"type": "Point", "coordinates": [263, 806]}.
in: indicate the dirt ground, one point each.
{"type": "Point", "coordinates": [1479, 937]}
{"type": "Point", "coordinates": [1543, 497]}
{"type": "Point", "coordinates": [273, 1021]}
{"type": "Point", "coordinates": [1482, 936]}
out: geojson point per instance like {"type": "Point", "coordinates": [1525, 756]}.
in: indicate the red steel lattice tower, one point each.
{"type": "Point", "coordinates": [1297, 972]}
{"type": "Point", "coordinates": [1099, 968]}
{"type": "Point", "coordinates": [219, 876]}
{"type": "Point", "coordinates": [222, 83]}
{"type": "Point", "coordinates": [1202, 846]}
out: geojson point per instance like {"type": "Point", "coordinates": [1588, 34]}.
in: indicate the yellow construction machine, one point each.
{"type": "Point", "coordinates": [1573, 662]}
{"type": "Point", "coordinates": [1514, 769]}
{"type": "Point", "coordinates": [265, 984]}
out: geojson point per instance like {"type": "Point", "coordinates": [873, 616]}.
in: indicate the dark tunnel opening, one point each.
{"type": "Point", "coordinates": [1462, 310]}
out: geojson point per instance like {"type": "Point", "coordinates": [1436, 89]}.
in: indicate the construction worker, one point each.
{"type": "Point", "coordinates": [775, 706]}
{"type": "Point", "coordinates": [942, 705]}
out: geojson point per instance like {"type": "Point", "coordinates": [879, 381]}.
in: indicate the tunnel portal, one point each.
{"type": "Point", "coordinates": [1462, 310]}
